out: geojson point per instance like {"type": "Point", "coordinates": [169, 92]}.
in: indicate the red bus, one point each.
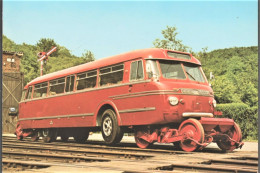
{"type": "Point", "coordinates": [160, 95]}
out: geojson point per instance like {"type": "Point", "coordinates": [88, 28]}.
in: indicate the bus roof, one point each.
{"type": "Point", "coordinates": [150, 53]}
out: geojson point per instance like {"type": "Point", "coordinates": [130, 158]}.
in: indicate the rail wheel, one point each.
{"type": "Point", "coordinates": [192, 129]}
{"type": "Point", "coordinates": [35, 136]}
{"type": "Point", "coordinates": [111, 132]}
{"type": "Point", "coordinates": [235, 134]}
{"type": "Point", "coordinates": [49, 135]}
{"type": "Point", "coordinates": [81, 137]}
{"type": "Point", "coordinates": [141, 143]}
{"type": "Point", "coordinates": [18, 132]}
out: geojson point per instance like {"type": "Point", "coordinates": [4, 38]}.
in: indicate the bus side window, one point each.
{"type": "Point", "coordinates": [111, 75]}
{"type": "Point", "coordinates": [137, 72]}
{"type": "Point", "coordinates": [29, 95]}
{"type": "Point", "coordinates": [40, 90]}
{"type": "Point", "coordinates": [69, 83]}
{"type": "Point", "coordinates": [152, 69]}
{"type": "Point", "coordinates": [24, 94]}
{"type": "Point", "coordinates": [57, 86]}
{"type": "Point", "coordinates": [86, 80]}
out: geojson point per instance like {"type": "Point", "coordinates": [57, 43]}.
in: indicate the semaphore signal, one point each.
{"type": "Point", "coordinates": [44, 56]}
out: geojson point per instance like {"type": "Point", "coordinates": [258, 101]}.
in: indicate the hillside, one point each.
{"type": "Point", "coordinates": [236, 74]}
{"type": "Point", "coordinates": [235, 69]}
{"type": "Point", "coordinates": [59, 60]}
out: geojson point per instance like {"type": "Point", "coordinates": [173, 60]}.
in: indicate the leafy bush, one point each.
{"type": "Point", "coordinates": [246, 117]}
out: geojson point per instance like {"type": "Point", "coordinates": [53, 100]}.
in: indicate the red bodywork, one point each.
{"type": "Point", "coordinates": [142, 102]}
{"type": "Point", "coordinates": [128, 95]}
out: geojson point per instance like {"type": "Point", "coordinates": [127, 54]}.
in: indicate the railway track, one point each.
{"type": "Point", "coordinates": [23, 155]}
{"type": "Point", "coordinates": [98, 145]}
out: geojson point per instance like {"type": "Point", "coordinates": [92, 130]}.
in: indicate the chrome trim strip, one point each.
{"type": "Point", "coordinates": [88, 90]}
{"type": "Point", "coordinates": [60, 116]}
{"type": "Point", "coordinates": [153, 92]}
{"type": "Point", "coordinates": [138, 110]}
{"type": "Point", "coordinates": [197, 114]}
{"type": "Point", "coordinates": [141, 95]}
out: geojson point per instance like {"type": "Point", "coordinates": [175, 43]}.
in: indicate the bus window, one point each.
{"type": "Point", "coordinates": [57, 86]}
{"type": "Point", "coordinates": [172, 70]}
{"type": "Point", "coordinates": [86, 80]}
{"type": "Point", "coordinates": [70, 83]}
{"type": "Point", "coordinates": [111, 75]}
{"type": "Point", "coordinates": [193, 72]}
{"type": "Point", "coordinates": [29, 95]}
{"type": "Point", "coordinates": [40, 90]}
{"type": "Point", "coordinates": [152, 69]}
{"type": "Point", "coordinates": [23, 94]}
{"type": "Point", "coordinates": [137, 70]}
{"type": "Point", "coordinates": [178, 55]}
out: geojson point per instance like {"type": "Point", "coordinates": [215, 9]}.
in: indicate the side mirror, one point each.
{"type": "Point", "coordinates": [13, 111]}
{"type": "Point", "coordinates": [211, 76]}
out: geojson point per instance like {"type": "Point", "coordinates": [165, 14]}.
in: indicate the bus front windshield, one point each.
{"type": "Point", "coordinates": [174, 70]}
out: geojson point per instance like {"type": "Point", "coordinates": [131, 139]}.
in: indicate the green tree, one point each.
{"type": "Point", "coordinates": [170, 41]}
{"type": "Point", "coordinates": [45, 44]}
{"type": "Point", "coordinates": [9, 45]}
{"type": "Point", "coordinates": [89, 56]}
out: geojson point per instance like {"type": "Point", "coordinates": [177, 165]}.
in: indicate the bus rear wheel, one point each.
{"type": "Point", "coordinates": [49, 135]}
{"type": "Point", "coordinates": [111, 132]}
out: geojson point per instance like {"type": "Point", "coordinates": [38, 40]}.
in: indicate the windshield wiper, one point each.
{"type": "Point", "coordinates": [190, 75]}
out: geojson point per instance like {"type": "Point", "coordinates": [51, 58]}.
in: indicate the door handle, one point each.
{"type": "Point", "coordinates": [130, 88]}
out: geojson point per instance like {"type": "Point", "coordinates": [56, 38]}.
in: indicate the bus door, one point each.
{"type": "Point", "coordinates": [136, 76]}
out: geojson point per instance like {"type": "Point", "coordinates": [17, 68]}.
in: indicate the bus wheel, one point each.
{"type": "Point", "coordinates": [193, 129]}
{"type": "Point", "coordinates": [49, 135]}
{"type": "Point", "coordinates": [111, 132]}
{"type": "Point", "coordinates": [81, 137]}
{"type": "Point", "coordinates": [119, 137]}
{"type": "Point", "coordinates": [35, 136]}
{"type": "Point", "coordinates": [235, 134]}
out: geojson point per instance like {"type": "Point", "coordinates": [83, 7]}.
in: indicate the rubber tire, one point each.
{"type": "Point", "coordinates": [116, 134]}
{"type": "Point", "coordinates": [49, 136]}
{"type": "Point", "coordinates": [119, 137]}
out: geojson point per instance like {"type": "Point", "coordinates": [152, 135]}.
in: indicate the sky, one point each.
{"type": "Point", "coordinates": [108, 28]}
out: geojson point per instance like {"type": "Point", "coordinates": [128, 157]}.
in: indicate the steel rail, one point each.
{"type": "Point", "coordinates": [237, 162]}
{"type": "Point", "coordinates": [103, 146]}
{"type": "Point", "coordinates": [55, 156]}
{"type": "Point", "coordinates": [104, 153]}
{"type": "Point", "coordinates": [199, 167]}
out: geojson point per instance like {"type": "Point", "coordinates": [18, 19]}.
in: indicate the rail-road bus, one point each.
{"type": "Point", "coordinates": [159, 95]}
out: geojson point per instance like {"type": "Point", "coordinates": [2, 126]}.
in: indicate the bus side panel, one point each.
{"type": "Point", "coordinates": [143, 108]}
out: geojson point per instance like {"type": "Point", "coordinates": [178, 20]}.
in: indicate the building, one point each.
{"type": "Point", "coordinates": [11, 61]}
{"type": "Point", "coordinates": [12, 86]}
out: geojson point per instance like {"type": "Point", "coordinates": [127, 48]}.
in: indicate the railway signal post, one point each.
{"type": "Point", "coordinates": [44, 56]}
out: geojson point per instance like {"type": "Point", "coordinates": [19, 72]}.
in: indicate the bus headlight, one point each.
{"type": "Point", "coordinates": [214, 103]}
{"type": "Point", "coordinates": [173, 100]}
